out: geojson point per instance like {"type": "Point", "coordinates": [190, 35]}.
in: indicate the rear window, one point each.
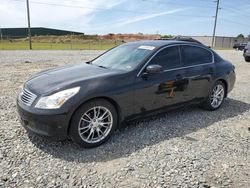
{"type": "Point", "coordinates": [217, 58]}
{"type": "Point", "coordinates": [193, 55]}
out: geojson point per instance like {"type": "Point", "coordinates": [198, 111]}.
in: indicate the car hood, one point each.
{"type": "Point", "coordinates": [57, 78]}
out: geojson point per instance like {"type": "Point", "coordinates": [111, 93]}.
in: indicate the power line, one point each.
{"type": "Point", "coordinates": [239, 13]}
{"type": "Point", "coordinates": [85, 7]}
{"type": "Point", "coordinates": [236, 9]}
{"type": "Point", "coordinates": [176, 3]}
{"type": "Point", "coordinates": [238, 23]}
{"type": "Point", "coordinates": [103, 9]}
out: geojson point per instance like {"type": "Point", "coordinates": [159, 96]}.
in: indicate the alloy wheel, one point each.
{"type": "Point", "coordinates": [95, 124]}
{"type": "Point", "coordinates": [217, 96]}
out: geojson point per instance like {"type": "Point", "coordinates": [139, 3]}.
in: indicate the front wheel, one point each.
{"type": "Point", "coordinates": [216, 97]}
{"type": "Point", "coordinates": [93, 123]}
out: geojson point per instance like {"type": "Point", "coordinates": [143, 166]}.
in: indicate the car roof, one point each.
{"type": "Point", "coordinates": [160, 43]}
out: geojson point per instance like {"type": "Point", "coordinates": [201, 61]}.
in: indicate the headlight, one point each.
{"type": "Point", "coordinates": [56, 100]}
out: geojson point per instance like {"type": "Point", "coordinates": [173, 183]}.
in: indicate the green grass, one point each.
{"type": "Point", "coordinates": [94, 45]}
{"type": "Point", "coordinates": [24, 45]}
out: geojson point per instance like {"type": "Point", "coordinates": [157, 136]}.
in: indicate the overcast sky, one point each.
{"type": "Point", "coordinates": [176, 17]}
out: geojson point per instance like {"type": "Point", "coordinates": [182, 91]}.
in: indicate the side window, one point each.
{"type": "Point", "coordinates": [168, 58]}
{"type": "Point", "coordinates": [193, 55]}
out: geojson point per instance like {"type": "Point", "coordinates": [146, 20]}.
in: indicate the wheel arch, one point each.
{"type": "Point", "coordinates": [225, 84]}
{"type": "Point", "coordinates": [109, 99]}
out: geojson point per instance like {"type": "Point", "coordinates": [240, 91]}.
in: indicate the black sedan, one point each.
{"type": "Point", "coordinates": [246, 52]}
{"type": "Point", "coordinates": [88, 101]}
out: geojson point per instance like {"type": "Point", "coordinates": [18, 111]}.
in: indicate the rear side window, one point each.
{"type": "Point", "coordinates": [168, 58]}
{"type": "Point", "coordinates": [193, 55]}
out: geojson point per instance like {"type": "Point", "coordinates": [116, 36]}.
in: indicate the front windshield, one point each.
{"type": "Point", "coordinates": [124, 57]}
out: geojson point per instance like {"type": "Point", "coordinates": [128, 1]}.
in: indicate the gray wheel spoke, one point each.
{"type": "Point", "coordinates": [213, 101]}
{"type": "Point", "coordinates": [102, 117]}
{"type": "Point", "coordinates": [104, 125]}
{"type": "Point", "coordinates": [86, 130]}
{"type": "Point", "coordinates": [98, 112]}
{"type": "Point", "coordinates": [94, 113]}
{"type": "Point", "coordinates": [99, 130]}
{"type": "Point", "coordinates": [219, 92]}
{"type": "Point", "coordinates": [85, 127]}
{"type": "Point", "coordinates": [89, 121]}
{"type": "Point", "coordinates": [105, 117]}
{"type": "Point", "coordinates": [87, 116]}
{"type": "Point", "coordinates": [93, 135]}
{"type": "Point", "coordinates": [216, 102]}
{"type": "Point", "coordinates": [90, 133]}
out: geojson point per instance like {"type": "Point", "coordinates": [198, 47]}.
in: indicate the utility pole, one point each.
{"type": "Point", "coordinates": [215, 22]}
{"type": "Point", "coordinates": [1, 34]}
{"type": "Point", "coordinates": [29, 30]}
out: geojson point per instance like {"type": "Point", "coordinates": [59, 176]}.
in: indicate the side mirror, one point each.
{"type": "Point", "coordinates": [154, 69]}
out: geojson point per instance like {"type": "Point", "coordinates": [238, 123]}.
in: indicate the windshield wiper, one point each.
{"type": "Point", "coordinates": [102, 66]}
{"type": "Point", "coordinates": [90, 63]}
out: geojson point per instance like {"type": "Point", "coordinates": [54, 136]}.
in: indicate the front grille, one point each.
{"type": "Point", "coordinates": [27, 97]}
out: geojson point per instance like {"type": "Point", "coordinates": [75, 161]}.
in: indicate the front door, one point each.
{"type": "Point", "coordinates": [155, 91]}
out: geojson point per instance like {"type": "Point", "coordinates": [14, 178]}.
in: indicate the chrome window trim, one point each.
{"type": "Point", "coordinates": [184, 67]}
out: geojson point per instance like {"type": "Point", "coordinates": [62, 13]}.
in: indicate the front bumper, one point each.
{"type": "Point", "coordinates": [54, 126]}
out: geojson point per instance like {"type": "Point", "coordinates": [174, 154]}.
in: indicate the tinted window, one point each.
{"type": "Point", "coordinates": [195, 55]}
{"type": "Point", "coordinates": [168, 58]}
{"type": "Point", "coordinates": [217, 58]}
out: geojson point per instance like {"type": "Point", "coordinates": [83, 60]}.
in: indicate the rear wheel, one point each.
{"type": "Point", "coordinates": [93, 123]}
{"type": "Point", "coordinates": [216, 97]}
{"type": "Point", "coordinates": [247, 59]}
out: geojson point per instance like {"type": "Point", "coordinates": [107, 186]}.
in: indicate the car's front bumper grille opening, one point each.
{"type": "Point", "coordinates": [27, 97]}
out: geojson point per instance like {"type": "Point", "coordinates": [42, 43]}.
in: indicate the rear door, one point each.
{"type": "Point", "coordinates": [199, 70]}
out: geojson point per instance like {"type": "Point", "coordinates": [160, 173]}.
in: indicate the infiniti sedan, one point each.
{"type": "Point", "coordinates": [88, 101]}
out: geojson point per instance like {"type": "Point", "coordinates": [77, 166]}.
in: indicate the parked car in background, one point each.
{"type": "Point", "coordinates": [88, 101]}
{"type": "Point", "coordinates": [246, 52]}
{"type": "Point", "coordinates": [239, 46]}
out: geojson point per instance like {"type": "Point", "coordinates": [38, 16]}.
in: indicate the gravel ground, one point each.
{"type": "Point", "coordinates": [183, 148]}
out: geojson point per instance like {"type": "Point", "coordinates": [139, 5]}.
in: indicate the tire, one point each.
{"type": "Point", "coordinates": [93, 123]}
{"type": "Point", "coordinates": [247, 59]}
{"type": "Point", "coordinates": [209, 103]}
